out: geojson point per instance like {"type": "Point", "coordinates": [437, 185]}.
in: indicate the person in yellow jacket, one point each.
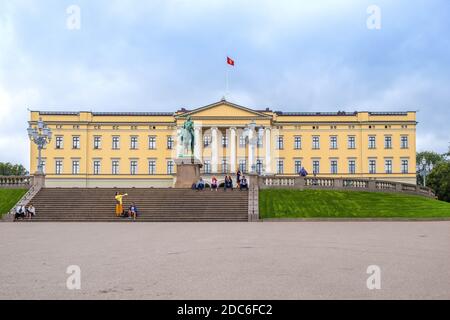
{"type": "Point", "coordinates": [119, 203]}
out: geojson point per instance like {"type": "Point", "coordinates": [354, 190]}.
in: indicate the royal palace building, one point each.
{"type": "Point", "coordinates": [140, 149]}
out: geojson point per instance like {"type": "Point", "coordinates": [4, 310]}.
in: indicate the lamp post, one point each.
{"type": "Point", "coordinates": [424, 169]}
{"type": "Point", "coordinates": [41, 135]}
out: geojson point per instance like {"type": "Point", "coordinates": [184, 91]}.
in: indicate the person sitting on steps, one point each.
{"type": "Point", "coordinates": [244, 184]}
{"type": "Point", "coordinates": [200, 185]}
{"type": "Point", "coordinates": [31, 211]}
{"type": "Point", "coordinates": [133, 211]}
{"type": "Point", "coordinates": [20, 213]}
{"type": "Point", "coordinates": [214, 184]}
{"type": "Point", "coordinates": [228, 183]}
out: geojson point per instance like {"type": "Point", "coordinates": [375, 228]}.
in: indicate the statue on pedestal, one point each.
{"type": "Point", "coordinates": [187, 139]}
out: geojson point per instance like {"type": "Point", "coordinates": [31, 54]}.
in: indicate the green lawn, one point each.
{"type": "Point", "coordinates": [8, 198]}
{"type": "Point", "coordinates": [284, 203]}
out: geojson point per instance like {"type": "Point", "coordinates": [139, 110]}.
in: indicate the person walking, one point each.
{"type": "Point", "coordinates": [119, 203]}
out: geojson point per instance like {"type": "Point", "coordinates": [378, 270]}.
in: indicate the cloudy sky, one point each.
{"type": "Point", "coordinates": [163, 55]}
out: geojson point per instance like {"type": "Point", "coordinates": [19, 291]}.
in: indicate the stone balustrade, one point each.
{"type": "Point", "coordinates": [265, 182]}
{"type": "Point", "coordinates": [16, 182]}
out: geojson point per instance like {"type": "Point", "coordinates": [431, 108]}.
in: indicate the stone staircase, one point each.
{"type": "Point", "coordinates": [79, 204]}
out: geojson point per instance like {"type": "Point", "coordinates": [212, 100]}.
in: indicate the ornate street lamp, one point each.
{"type": "Point", "coordinates": [252, 140]}
{"type": "Point", "coordinates": [424, 169]}
{"type": "Point", "coordinates": [41, 135]}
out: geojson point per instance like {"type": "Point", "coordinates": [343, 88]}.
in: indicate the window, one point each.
{"type": "Point", "coordinates": [334, 167]}
{"type": "Point", "coordinates": [115, 142]}
{"type": "Point", "coordinates": [351, 142]}
{"type": "Point", "coordinates": [405, 166]}
{"type": "Point", "coordinates": [259, 166]}
{"type": "Point", "coordinates": [297, 166]}
{"type": "Point", "coordinates": [242, 141]}
{"type": "Point", "coordinates": [76, 142]}
{"type": "Point", "coordinates": [224, 166]}
{"type": "Point", "coordinates": [58, 166]}
{"type": "Point", "coordinates": [206, 141]}
{"type": "Point", "coordinates": [372, 166]}
{"type": "Point", "coordinates": [404, 142]}
{"type": "Point", "coordinates": [224, 141]}
{"type": "Point", "coordinates": [134, 143]}
{"type": "Point", "coordinates": [316, 142]}
{"type": "Point", "coordinates": [133, 167]}
{"type": "Point", "coordinates": [75, 166]}
{"type": "Point", "coordinates": [152, 143]}
{"type": "Point", "coordinates": [151, 167]}
{"type": "Point", "coordinates": [280, 143]}
{"type": "Point", "coordinates": [280, 166]}
{"type": "Point", "coordinates": [351, 166]}
{"type": "Point", "coordinates": [170, 142]}
{"type": "Point", "coordinates": [59, 142]}
{"type": "Point", "coordinates": [388, 166]}
{"type": "Point", "coordinates": [372, 142]}
{"type": "Point", "coordinates": [96, 167]}
{"type": "Point", "coordinates": [316, 166]}
{"type": "Point", "coordinates": [388, 142]}
{"type": "Point", "coordinates": [115, 167]}
{"type": "Point", "coordinates": [169, 167]}
{"type": "Point", "coordinates": [333, 142]}
{"type": "Point", "coordinates": [207, 166]}
{"type": "Point", "coordinates": [97, 142]}
{"type": "Point", "coordinates": [243, 165]}
{"type": "Point", "coordinates": [297, 142]}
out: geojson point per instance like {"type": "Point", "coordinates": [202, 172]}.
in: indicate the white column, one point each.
{"type": "Point", "coordinates": [179, 144]}
{"type": "Point", "coordinates": [260, 137]}
{"type": "Point", "coordinates": [268, 151]}
{"type": "Point", "coordinates": [198, 143]}
{"type": "Point", "coordinates": [214, 150]}
{"type": "Point", "coordinates": [232, 150]}
{"type": "Point", "coordinates": [251, 150]}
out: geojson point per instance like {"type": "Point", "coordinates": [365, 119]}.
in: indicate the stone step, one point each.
{"type": "Point", "coordinates": [78, 204]}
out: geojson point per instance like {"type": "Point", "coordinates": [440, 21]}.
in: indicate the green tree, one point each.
{"type": "Point", "coordinates": [430, 157]}
{"type": "Point", "coordinates": [9, 169]}
{"type": "Point", "coordinates": [439, 180]}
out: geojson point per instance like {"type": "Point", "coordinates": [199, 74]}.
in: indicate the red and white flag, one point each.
{"type": "Point", "coordinates": [230, 61]}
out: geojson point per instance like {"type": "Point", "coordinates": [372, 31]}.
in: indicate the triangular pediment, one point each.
{"type": "Point", "coordinates": [224, 109]}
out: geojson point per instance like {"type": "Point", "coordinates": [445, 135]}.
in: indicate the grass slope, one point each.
{"type": "Point", "coordinates": [283, 203]}
{"type": "Point", "coordinates": [8, 198]}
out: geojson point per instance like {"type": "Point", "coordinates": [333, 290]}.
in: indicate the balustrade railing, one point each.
{"type": "Point", "coordinates": [24, 182]}
{"type": "Point", "coordinates": [275, 181]}
{"type": "Point", "coordinates": [385, 185]}
{"type": "Point", "coordinates": [355, 183]}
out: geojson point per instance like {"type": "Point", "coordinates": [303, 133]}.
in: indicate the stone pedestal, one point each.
{"type": "Point", "coordinates": [39, 180]}
{"type": "Point", "coordinates": [188, 172]}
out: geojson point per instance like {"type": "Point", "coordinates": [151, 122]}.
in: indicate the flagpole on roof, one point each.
{"type": "Point", "coordinates": [226, 90]}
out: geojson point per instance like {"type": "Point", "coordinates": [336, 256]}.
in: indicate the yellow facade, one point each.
{"type": "Point", "coordinates": [135, 149]}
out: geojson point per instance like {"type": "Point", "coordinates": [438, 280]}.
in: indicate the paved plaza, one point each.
{"type": "Point", "coordinates": [268, 260]}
